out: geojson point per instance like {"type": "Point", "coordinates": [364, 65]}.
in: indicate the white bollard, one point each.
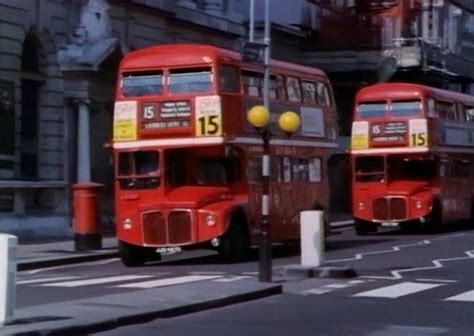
{"type": "Point", "coordinates": [312, 238]}
{"type": "Point", "coordinates": [8, 246]}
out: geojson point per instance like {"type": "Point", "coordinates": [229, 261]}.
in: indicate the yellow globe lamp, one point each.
{"type": "Point", "coordinates": [289, 121]}
{"type": "Point", "coordinates": [258, 116]}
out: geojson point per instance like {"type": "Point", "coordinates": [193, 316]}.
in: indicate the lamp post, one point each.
{"type": "Point", "coordinates": [259, 116]}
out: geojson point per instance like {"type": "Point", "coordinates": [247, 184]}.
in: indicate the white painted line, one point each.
{"type": "Point", "coordinates": [465, 297]}
{"type": "Point", "coordinates": [355, 282]}
{"type": "Point", "coordinates": [339, 285]}
{"type": "Point", "coordinates": [396, 291]}
{"type": "Point", "coordinates": [231, 279]}
{"type": "Point", "coordinates": [438, 280]}
{"type": "Point", "coordinates": [317, 291]}
{"type": "Point", "coordinates": [91, 263]}
{"type": "Point", "coordinates": [33, 281]}
{"type": "Point", "coordinates": [341, 223]}
{"type": "Point", "coordinates": [96, 281]}
{"type": "Point", "coordinates": [170, 281]}
{"type": "Point", "coordinates": [249, 273]}
{"type": "Point", "coordinates": [208, 273]}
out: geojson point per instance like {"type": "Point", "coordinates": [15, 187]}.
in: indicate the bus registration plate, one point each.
{"type": "Point", "coordinates": [390, 224]}
{"type": "Point", "coordinates": [168, 250]}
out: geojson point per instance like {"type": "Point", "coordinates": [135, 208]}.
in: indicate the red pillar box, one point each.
{"type": "Point", "coordinates": [86, 227]}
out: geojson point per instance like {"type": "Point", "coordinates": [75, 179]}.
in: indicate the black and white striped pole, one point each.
{"type": "Point", "coordinates": [289, 122]}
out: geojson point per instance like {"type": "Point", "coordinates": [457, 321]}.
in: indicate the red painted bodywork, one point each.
{"type": "Point", "coordinates": [188, 206]}
{"type": "Point", "coordinates": [410, 199]}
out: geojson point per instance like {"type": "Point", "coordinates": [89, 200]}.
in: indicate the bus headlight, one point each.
{"type": "Point", "coordinates": [418, 205]}
{"type": "Point", "coordinates": [360, 206]}
{"type": "Point", "coordinates": [127, 224]}
{"type": "Point", "coordinates": [211, 220]}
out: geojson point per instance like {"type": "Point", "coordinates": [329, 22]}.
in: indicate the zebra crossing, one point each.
{"type": "Point", "coordinates": [127, 281]}
{"type": "Point", "coordinates": [382, 290]}
{"type": "Point", "coordinates": [358, 288]}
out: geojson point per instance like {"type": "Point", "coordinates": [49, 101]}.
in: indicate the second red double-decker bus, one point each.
{"type": "Point", "coordinates": [188, 163]}
{"type": "Point", "coordinates": [413, 156]}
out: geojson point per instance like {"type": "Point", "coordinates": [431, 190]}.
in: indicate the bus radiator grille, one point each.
{"type": "Point", "coordinates": [180, 227]}
{"type": "Point", "coordinates": [154, 228]}
{"type": "Point", "coordinates": [390, 208]}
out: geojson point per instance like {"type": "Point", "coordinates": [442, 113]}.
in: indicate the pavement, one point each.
{"type": "Point", "coordinates": [83, 316]}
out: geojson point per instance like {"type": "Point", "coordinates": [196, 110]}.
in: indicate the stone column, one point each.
{"type": "Point", "coordinates": [83, 150]}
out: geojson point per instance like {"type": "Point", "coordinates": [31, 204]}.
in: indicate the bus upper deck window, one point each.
{"type": "Point", "coordinates": [406, 108]}
{"type": "Point", "coordinates": [293, 89]}
{"type": "Point", "coordinates": [190, 80]}
{"type": "Point", "coordinates": [372, 110]}
{"type": "Point", "coordinates": [229, 79]}
{"type": "Point", "coordinates": [309, 93]}
{"type": "Point", "coordinates": [323, 94]}
{"type": "Point", "coordinates": [470, 113]}
{"type": "Point", "coordinates": [431, 108]}
{"type": "Point", "coordinates": [142, 84]}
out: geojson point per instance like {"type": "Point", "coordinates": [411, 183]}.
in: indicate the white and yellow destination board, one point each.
{"type": "Point", "coordinates": [125, 121]}
{"type": "Point", "coordinates": [418, 132]}
{"type": "Point", "coordinates": [360, 135]}
{"type": "Point", "coordinates": [208, 116]}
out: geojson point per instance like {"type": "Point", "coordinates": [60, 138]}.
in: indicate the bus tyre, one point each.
{"type": "Point", "coordinates": [235, 244]}
{"type": "Point", "coordinates": [363, 228]}
{"type": "Point", "coordinates": [134, 256]}
{"type": "Point", "coordinates": [435, 219]}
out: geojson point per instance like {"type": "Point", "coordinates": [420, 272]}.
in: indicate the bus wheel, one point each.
{"type": "Point", "coordinates": [134, 256]}
{"type": "Point", "coordinates": [363, 228]}
{"type": "Point", "coordinates": [435, 219]}
{"type": "Point", "coordinates": [235, 244]}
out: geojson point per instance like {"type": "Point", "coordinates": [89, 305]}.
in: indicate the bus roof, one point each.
{"type": "Point", "coordinates": [172, 55]}
{"type": "Point", "coordinates": [383, 91]}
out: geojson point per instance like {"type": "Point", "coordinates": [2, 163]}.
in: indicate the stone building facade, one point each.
{"type": "Point", "coordinates": [58, 62]}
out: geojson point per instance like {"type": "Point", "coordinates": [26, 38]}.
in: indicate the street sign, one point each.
{"type": "Point", "coordinates": [253, 52]}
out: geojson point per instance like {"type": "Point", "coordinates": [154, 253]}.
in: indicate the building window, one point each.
{"type": "Point", "coordinates": [7, 120]}
{"type": "Point", "coordinates": [30, 89]}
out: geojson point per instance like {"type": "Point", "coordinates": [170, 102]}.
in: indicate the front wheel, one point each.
{"type": "Point", "coordinates": [134, 256]}
{"type": "Point", "coordinates": [235, 244]}
{"type": "Point", "coordinates": [363, 228]}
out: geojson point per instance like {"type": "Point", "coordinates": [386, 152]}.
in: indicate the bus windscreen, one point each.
{"type": "Point", "coordinates": [196, 80]}
{"type": "Point", "coordinates": [372, 110]}
{"type": "Point", "coordinates": [135, 85]}
{"type": "Point", "coordinates": [406, 108]}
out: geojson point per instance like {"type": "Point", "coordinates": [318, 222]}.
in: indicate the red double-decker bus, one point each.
{"type": "Point", "coordinates": [412, 156]}
{"type": "Point", "coordinates": [188, 163]}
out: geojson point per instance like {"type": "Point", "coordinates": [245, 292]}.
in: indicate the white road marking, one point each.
{"type": "Point", "coordinates": [438, 280]}
{"type": "Point", "coordinates": [92, 263]}
{"type": "Point", "coordinates": [250, 273]}
{"type": "Point", "coordinates": [86, 282]}
{"type": "Point", "coordinates": [339, 285]}
{"type": "Point", "coordinates": [341, 223]}
{"type": "Point", "coordinates": [359, 256]}
{"type": "Point", "coordinates": [316, 291]}
{"type": "Point", "coordinates": [396, 291]}
{"type": "Point", "coordinates": [170, 281]}
{"type": "Point", "coordinates": [34, 281]}
{"type": "Point", "coordinates": [231, 279]}
{"type": "Point", "coordinates": [465, 297]}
